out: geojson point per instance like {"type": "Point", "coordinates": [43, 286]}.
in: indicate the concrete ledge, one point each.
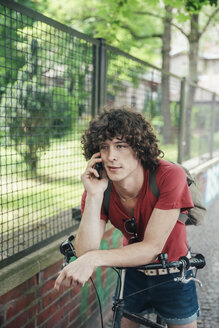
{"type": "Point", "coordinates": [202, 167]}
{"type": "Point", "coordinates": [20, 271]}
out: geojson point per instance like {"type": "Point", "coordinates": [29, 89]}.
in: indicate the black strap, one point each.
{"type": "Point", "coordinates": [106, 198]}
{"type": "Point", "coordinates": [183, 217]}
{"type": "Point", "coordinates": [153, 183]}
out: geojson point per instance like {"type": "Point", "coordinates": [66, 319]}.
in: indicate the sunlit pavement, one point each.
{"type": "Point", "coordinates": [205, 239]}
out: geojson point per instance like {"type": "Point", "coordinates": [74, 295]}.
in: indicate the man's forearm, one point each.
{"type": "Point", "coordinates": [132, 255]}
{"type": "Point", "coordinates": [90, 230]}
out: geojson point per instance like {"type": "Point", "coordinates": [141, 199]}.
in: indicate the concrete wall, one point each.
{"type": "Point", "coordinates": [207, 176]}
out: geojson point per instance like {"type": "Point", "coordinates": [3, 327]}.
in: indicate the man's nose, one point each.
{"type": "Point", "coordinates": [112, 154]}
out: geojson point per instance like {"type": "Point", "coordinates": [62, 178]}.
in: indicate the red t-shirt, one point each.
{"type": "Point", "coordinates": [174, 193]}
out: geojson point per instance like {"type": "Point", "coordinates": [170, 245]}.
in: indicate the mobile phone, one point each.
{"type": "Point", "coordinates": [99, 168]}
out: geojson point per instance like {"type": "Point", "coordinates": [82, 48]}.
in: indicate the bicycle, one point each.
{"type": "Point", "coordinates": [196, 261]}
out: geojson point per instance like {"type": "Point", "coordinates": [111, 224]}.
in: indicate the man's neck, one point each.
{"type": "Point", "coordinates": [130, 186]}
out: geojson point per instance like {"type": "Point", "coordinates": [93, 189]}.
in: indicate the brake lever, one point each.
{"type": "Point", "coordinates": [187, 280]}
{"type": "Point", "coordinates": [182, 278]}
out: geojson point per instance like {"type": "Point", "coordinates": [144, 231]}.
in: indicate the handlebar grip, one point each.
{"type": "Point", "coordinates": [198, 261]}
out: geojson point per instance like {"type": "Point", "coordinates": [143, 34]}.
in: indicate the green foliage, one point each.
{"type": "Point", "coordinates": [33, 118]}
{"type": "Point", "coordinates": [10, 60]}
{"type": "Point", "coordinates": [64, 112]}
{"type": "Point", "coordinates": [193, 6]}
{"type": "Point", "coordinates": [175, 113]}
{"type": "Point", "coordinates": [39, 5]}
{"type": "Point", "coordinates": [33, 112]}
{"type": "Point", "coordinates": [122, 71]}
{"type": "Point", "coordinates": [157, 123]}
{"type": "Point", "coordinates": [113, 21]}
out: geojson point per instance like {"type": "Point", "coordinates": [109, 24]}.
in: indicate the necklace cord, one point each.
{"type": "Point", "coordinates": [127, 199]}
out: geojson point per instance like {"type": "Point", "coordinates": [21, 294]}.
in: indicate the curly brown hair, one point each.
{"type": "Point", "coordinates": [128, 125]}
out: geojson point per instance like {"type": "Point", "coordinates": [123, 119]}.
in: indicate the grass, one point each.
{"type": "Point", "coordinates": [56, 187]}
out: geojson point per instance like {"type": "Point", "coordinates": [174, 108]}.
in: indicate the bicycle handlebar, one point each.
{"type": "Point", "coordinates": [184, 263]}
{"type": "Point", "coordinates": [197, 261]}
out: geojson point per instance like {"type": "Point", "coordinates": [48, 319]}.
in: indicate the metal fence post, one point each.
{"type": "Point", "coordinates": [101, 74]}
{"type": "Point", "coordinates": [181, 140]}
{"type": "Point", "coordinates": [212, 128]}
{"type": "Point", "coordinates": [95, 83]}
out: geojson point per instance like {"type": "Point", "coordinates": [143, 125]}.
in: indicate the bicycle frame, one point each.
{"type": "Point", "coordinates": [120, 312]}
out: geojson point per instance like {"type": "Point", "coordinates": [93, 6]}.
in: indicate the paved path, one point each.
{"type": "Point", "coordinates": [205, 239]}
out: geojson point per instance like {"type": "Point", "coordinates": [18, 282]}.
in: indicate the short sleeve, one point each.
{"type": "Point", "coordinates": [173, 188]}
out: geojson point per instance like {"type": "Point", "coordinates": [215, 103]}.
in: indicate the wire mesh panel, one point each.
{"type": "Point", "coordinates": [134, 83]}
{"type": "Point", "coordinates": [199, 123]}
{"type": "Point", "coordinates": [130, 83]}
{"type": "Point", "coordinates": [46, 100]}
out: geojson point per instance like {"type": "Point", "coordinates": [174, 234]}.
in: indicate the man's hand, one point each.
{"type": "Point", "coordinates": [76, 273]}
{"type": "Point", "coordinates": [90, 177]}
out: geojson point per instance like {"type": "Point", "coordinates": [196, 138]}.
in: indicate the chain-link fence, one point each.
{"type": "Point", "coordinates": [53, 81]}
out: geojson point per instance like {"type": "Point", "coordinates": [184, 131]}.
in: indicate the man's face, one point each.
{"type": "Point", "coordinates": [119, 159]}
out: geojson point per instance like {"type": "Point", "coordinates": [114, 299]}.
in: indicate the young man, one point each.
{"type": "Point", "coordinates": [124, 142]}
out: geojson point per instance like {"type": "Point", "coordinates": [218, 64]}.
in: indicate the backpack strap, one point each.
{"type": "Point", "coordinates": [183, 217]}
{"type": "Point", "coordinates": [106, 198]}
{"type": "Point", "coordinates": [153, 184]}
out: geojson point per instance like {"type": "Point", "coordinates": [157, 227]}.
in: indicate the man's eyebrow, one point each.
{"type": "Point", "coordinates": [121, 141]}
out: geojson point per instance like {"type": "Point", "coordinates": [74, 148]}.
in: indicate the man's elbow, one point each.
{"type": "Point", "coordinates": [81, 250]}
{"type": "Point", "coordinates": [154, 250]}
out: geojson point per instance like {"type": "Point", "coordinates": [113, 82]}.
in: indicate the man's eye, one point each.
{"type": "Point", "coordinates": [121, 146]}
{"type": "Point", "coordinates": [103, 147]}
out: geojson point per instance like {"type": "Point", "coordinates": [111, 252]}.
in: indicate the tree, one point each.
{"type": "Point", "coordinates": [32, 117]}
{"type": "Point", "coordinates": [194, 36]}
{"type": "Point", "coordinates": [165, 84]}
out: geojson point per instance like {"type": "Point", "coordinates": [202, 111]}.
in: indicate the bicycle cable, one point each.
{"type": "Point", "coordinates": [99, 302]}
{"type": "Point", "coordinates": [98, 297]}
{"type": "Point", "coordinates": [66, 262]}
{"type": "Point", "coordinates": [140, 291]}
